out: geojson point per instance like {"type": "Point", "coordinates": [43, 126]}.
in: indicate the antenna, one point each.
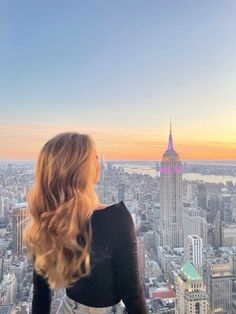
{"type": "Point", "coordinates": [170, 126]}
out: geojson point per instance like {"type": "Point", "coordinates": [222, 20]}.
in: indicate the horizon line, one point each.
{"type": "Point", "coordinates": [130, 160]}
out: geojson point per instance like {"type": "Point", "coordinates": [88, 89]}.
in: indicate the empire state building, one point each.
{"type": "Point", "coordinates": [171, 198]}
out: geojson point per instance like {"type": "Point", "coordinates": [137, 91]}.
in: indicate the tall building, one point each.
{"type": "Point", "coordinates": [225, 206]}
{"type": "Point", "coordinates": [9, 286]}
{"type": "Point", "coordinates": [219, 285]}
{"type": "Point", "coordinates": [229, 235]}
{"type": "Point", "coordinates": [189, 192]}
{"type": "Point", "coordinates": [19, 221]}
{"type": "Point", "coordinates": [202, 196]}
{"type": "Point", "coordinates": [194, 222]}
{"type": "Point", "coordinates": [1, 266]}
{"type": "Point", "coordinates": [104, 181]}
{"type": "Point", "coordinates": [141, 257]}
{"type": "Point", "coordinates": [1, 207]}
{"type": "Point", "coordinates": [191, 296]}
{"type": "Point", "coordinates": [171, 199]}
{"type": "Point", "coordinates": [6, 206]}
{"type": "Point", "coordinates": [217, 234]}
{"type": "Point", "coordinates": [193, 251]}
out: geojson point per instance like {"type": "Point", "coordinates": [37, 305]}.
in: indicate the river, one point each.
{"type": "Point", "coordinates": [143, 168]}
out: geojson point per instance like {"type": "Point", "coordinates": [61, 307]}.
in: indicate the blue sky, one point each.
{"type": "Point", "coordinates": [112, 65]}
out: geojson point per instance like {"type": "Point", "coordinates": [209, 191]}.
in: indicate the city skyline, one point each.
{"type": "Point", "coordinates": [195, 275]}
{"type": "Point", "coordinates": [118, 71]}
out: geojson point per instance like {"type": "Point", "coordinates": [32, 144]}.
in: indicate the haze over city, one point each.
{"type": "Point", "coordinates": [118, 71]}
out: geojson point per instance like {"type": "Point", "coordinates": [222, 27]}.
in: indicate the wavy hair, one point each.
{"type": "Point", "coordinates": [60, 205]}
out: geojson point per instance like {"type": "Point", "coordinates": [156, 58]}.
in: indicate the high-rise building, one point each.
{"type": "Point", "coordinates": [1, 207]}
{"type": "Point", "coordinates": [194, 222]}
{"type": "Point", "coordinates": [19, 221]}
{"type": "Point", "coordinates": [189, 192]}
{"type": "Point", "coordinates": [6, 206]}
{"type": "Point", "coordinates": [1, 266]}
{"type": "Point", "coordinates": [217, 233]}
{"type": "Point", "coordinates": [219, 285]}
{"type": "Point", "coordinates": [202, 196]}
{"type": "Point", "coordinates": [193, 251]}
{"type": "Point", "coordinates": [191, 296]}
{"type": "Point", "coordinates": [9, 286]}
{"type": "Point", "coordinates": [225, 206]}
{"type": "Point", "coordinates": [141, 257]}
{"type": "Point", "coordinates": [104, 181]}
{"type": "Point", "coordinates": [229, 235]}
{"type": "Point", "coordinates": [233, 205]}
{"type": "Point", "coordinates": [171, 199]}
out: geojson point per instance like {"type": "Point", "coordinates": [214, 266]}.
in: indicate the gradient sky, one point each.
{"type": "Point", "coordinates": [117, 70]}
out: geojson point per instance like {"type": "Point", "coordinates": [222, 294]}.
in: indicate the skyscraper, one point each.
{"type": "Point", "coordinates": [103, 182]}
{"type": "Point", "coordinates": [191, 296]}
{"type": "Point", "coordinates": [219, 285]}
{"type": "Point", "coordinates": [141, 257]}
{"type": "Point", "coordinates": [171, 198]}
{"type": "Point", "coordinates": [193, 251]}
{"type": "Point", "coordinates": [194, 222]}
{"type": "Point", "coordinates": [20, 219]}
{"type": "Point", "coordinates": [202, 196]}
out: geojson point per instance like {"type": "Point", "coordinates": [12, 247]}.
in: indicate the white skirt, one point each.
{"type": "Point", "coordinates": [69, 306]}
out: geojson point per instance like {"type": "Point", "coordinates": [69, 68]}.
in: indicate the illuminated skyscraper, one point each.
{"type": "Point", "coordinates": [171, 199]}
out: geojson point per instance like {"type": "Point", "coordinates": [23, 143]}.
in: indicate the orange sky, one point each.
{"type": "Point", "coordinates": [24, 141]}
{"type": "Point", "coordinates": [119, 77]}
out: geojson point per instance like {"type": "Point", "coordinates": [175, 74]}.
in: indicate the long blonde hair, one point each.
{"type": "Point", "coordinates": [60, 204]}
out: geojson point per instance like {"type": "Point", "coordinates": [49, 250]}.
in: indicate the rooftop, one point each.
{"type": "Point", "coordinates": [165, 293]}
{"type": "Point", "coordinates": [218, 260]}
{"type": "Point", "coordinates": [190, 272]}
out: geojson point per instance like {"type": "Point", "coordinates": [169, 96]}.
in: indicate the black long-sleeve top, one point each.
{"type": "Point", "coordinates": [114, 266]}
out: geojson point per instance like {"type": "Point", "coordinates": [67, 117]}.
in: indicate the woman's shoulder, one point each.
{"type": "Point", "coordinates": [120, 214]}
{"type": "Point", "coordinates": [117, 221]}
{"type": "Point", "coordinates": [117, 211]}
{"type": "Point", "coordinates": [107, 208]}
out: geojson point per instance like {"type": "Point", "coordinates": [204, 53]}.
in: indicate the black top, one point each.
{"type": "Point", "coordinates": [114, 266]}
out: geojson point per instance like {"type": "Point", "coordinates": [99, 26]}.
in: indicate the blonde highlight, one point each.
{"type": "Point", "coordinates": [61, 202]}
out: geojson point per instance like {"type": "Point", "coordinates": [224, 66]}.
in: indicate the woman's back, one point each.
{"type": "Point", "coordinates": [114, 265]}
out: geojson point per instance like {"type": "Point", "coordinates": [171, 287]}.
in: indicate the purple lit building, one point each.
{"type": "Point", "coordinates": [170, 231]}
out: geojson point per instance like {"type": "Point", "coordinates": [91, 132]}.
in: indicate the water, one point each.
{"type": "Point", "coordinates": [143, 168]}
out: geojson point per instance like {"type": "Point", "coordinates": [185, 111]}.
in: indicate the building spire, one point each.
{"type": "Point", "coordinates": [170, 142]}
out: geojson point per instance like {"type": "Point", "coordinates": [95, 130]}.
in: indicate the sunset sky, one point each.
{"type": "Point", "coordinates": [118, 70]}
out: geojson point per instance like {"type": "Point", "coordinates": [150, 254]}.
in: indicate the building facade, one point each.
{"type": "Point", "coordinates": [194, 222]}
{"type": "Point", "coordinates": [193, 251]}
{"type": "Point", "coordinates": [171, 199]}
{"type": "Point", "coordinates": [19, 221]}
{"type": "Point", "coordinates": [191, 296]}
{"type": "Point", "coordinates": [219, 285]}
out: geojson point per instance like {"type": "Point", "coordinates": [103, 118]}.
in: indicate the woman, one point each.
{"type": "Point", "coordinates": [74, 241]}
